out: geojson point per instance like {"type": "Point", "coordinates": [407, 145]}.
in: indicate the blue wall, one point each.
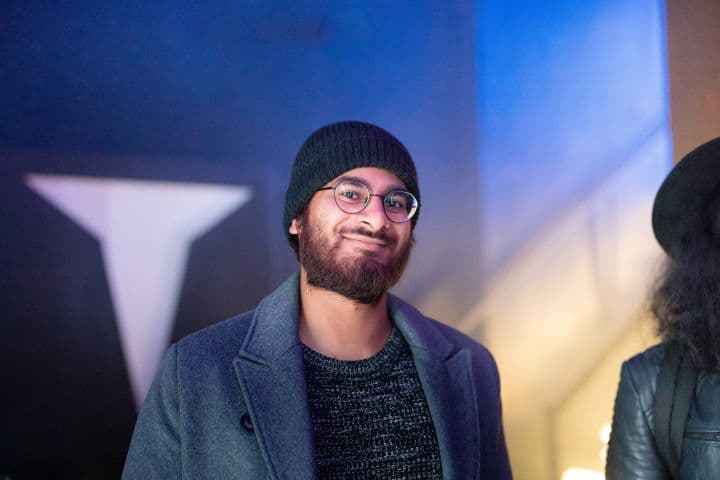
{"type": "Point", "coordinates": [568, 92]}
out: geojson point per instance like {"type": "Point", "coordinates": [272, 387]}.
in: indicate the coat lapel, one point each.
{"type": "Point", "coordinates": [445, 374]}
{"type": "Point", "coordinates": [270, 370]}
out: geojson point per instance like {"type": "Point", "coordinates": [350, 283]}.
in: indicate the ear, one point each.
{"type": "Point", "coordinates": [294, 227]}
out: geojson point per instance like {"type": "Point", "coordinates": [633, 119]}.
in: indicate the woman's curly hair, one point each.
{"type": "Point", "coordinates": [686, 297]}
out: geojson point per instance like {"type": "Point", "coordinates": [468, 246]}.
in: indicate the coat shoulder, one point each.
{"type": "Point", "coordinates": [219, 341]}
{"type": "Point", "coordinates": [227, 337]}
{"type": "Point", "coordinates": [639, 375]}
{"type": "Point", "coordinates": [648, 359]}
{"type": "Point", "coordinates": [463, 341]}
{"type": "Point", "coordinates": [439, 336]}
{"type": "Point", "coordinates": [642, 369]}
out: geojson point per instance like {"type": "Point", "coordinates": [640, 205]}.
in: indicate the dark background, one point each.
{"type": "Point", "coordinates": [219, 93]}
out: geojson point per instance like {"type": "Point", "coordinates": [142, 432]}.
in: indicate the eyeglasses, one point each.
{"type": "Point", "coordinates": [352, 197]}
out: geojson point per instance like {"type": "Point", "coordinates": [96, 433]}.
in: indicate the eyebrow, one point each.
{"type": "Point", "coordinates": [397, 186]}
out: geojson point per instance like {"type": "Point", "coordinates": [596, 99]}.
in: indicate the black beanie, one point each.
{"type": "Point", "coordinates": [333, 150]}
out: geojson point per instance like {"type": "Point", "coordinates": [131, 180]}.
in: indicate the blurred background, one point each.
{"type": "Point", "coordinates": [145, 149]}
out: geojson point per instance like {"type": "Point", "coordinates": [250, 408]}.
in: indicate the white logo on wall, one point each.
{"type": "Point", "coordinates": [145, 229]}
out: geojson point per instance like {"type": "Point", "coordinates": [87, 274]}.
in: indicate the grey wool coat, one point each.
{"type": "Point", "coordinates": [230, 401]}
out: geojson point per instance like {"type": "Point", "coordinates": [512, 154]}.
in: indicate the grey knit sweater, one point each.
{"type": "Point", "coordinates": [370, 417]}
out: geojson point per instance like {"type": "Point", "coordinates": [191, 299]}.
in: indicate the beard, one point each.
{"type": "Point", "coordinates": [363, 278]}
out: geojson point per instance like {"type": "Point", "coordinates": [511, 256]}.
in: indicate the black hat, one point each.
{"type": "Point", "coordinates": [333, 150]}
{"type": "Point", "coordinates": [678, 215]}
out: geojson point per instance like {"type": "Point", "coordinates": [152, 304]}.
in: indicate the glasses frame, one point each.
{"type": "Point", "coordinates": [371, 194]}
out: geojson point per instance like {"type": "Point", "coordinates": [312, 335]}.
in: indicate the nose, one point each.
{"type": "Point", "coordinates": [374, 213]}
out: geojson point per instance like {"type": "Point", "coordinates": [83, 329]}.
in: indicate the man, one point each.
{"type": "Point", "coordinates": [330, 376]}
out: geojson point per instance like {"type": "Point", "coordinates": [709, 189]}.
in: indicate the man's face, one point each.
{"type": "Point", "coordinates": [357, 255]}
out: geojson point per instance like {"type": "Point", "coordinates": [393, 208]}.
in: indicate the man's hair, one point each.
{"type": "Point", "coordinates": [686, 297]}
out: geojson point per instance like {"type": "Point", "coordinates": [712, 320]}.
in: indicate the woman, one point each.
{"type": "Point", "coordinates": [686, 305]}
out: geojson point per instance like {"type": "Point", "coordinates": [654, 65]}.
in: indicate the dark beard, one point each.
{"type": "Point", "coordinates": [362, 279]}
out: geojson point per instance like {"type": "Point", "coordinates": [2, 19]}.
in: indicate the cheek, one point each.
{"type": "Point", "coordinates": [404, 237]}
{"type": "Point", "coordinates": [324, 223]}
{"type": "Point", "coordinates": [329, 224]}
{"type": "Point", "coordinates": [317, 216]}
{"type": "Point", "coordinates": [324, 210]}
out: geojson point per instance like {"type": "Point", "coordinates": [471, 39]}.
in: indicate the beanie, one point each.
{"type": "Point", "coordinates": [334, 149]}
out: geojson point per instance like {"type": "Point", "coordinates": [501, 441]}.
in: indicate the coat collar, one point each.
{"type": "Point", "coordinates": [273, 331]}
{"type": "Point", "coordinates": [270, 370]}
{"type": "Point", "coordinates": [446, 375]}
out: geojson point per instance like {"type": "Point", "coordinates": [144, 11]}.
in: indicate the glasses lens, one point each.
{"type": "Point", "coordinates": [400, 206]}
{"type": "Point", "coordinates": [351, 197]}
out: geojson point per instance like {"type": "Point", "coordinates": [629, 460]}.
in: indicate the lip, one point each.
{"type": "Point", "coordinates": [376, 242]}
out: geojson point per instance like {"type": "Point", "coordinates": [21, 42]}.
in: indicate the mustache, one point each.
{"type": "Point", "coordinates": [378, 234]}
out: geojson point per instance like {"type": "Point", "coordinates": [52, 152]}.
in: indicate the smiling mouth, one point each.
{"type": "Point", "coordinates": [370, 241]}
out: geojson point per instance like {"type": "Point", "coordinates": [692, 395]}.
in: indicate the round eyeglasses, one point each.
{"type": "Point", "coordinates": [352, 197]}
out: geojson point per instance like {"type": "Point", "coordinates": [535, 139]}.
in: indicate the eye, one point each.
{"type": "Point", "coordinates": [396, 201]}
{"type": "Point", "coordinates": [349, 192]}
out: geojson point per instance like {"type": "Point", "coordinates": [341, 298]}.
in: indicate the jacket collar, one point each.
{"type": "Point", "coordinates": [271, 375]}
{"type": "Point", "coordinates": [273, 331]}
{"type": "Point", "coordinates": [446, 376]}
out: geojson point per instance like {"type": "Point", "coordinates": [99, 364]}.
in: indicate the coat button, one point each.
{"type": "Point", "coordinates": [246, 422]}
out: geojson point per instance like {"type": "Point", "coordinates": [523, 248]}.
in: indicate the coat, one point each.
{"type": "Point", "coordinates": [632, 453]}
{"type": "Point", "coordinates": [230, 401]}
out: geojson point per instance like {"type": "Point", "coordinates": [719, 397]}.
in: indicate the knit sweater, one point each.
{"type": "Point", "coordinates": [370, 417]}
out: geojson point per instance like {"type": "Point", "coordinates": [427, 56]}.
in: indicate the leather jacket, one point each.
{"type": "Point", "coordinates": [632, 453]}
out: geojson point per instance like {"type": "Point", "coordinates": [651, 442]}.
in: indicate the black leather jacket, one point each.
{"type": "Point", "coordinates": [632, 453]}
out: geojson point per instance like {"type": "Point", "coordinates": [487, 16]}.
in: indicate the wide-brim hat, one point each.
{"type": "Point", "coordinates": [677, 215]}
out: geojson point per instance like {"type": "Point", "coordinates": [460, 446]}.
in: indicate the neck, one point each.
{"type": "Point", "coordinates": [338, 327]}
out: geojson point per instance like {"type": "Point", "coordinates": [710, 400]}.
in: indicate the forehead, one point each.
{"type": "Point", "coordinates": [375, 178]}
